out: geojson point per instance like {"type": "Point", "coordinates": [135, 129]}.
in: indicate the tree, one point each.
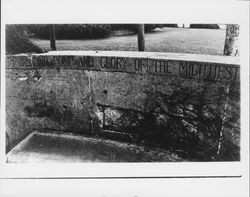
{"type": "Point", "coordinates": [52, 36]}
{"type": "Point", "coordinates": [231, 47]}
{"type": "Point", "coordinates": [141, 37]}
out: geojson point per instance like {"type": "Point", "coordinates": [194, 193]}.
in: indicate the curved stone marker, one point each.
{"type": "Point", "coordinates": [88, 91]}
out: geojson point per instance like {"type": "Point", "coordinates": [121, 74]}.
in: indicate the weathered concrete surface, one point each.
{"type": "Point", "coordinates": [186, 66]}
{"type": "Point", "coordinates": [46, 99]}
{"type": "Point", "coordinates": [55, 147]}
{"type": "Point", "coordinates": [88, 91]}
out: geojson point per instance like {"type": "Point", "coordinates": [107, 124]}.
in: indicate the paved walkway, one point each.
{"type": "Point", "coordinates": [71, 148]}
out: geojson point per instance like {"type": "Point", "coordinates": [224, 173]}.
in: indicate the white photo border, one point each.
{"type": "Point", "coordinates": [75, 11]}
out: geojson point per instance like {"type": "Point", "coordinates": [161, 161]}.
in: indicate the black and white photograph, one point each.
{"type": "Point", "coordinates": [130, 98]}
{"type": "Point", "coordinates": [122, 92]}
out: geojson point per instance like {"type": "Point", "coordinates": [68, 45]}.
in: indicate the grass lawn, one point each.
{"type": "Point", "coordinates": [176, 40]}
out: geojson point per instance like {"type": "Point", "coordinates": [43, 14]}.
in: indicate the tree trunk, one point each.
{"type": "Point", "coordinates": [141, 37]}
{"type": "Point", "coordinates": [231, 47]}
{"type": "Point", "coordinates": [52, 36]}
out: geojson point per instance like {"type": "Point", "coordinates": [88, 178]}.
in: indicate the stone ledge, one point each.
{"type": "Point", "coordinates": [154, 55]}
{"type": "Point", "coordinates": [205, 67]}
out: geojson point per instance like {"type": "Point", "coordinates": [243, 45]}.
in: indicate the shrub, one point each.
{"type": "Point", "coordinates": [17, 42]}
{"type": "Point", "coordinates": [150, 27]}
{"type": "Point", "coordinates": [205, 26]}
{"type": "Point", "coordinates": [170, 25]}
{"type": "Point", "coordinates": [133, 27]}
{"type": "Point", "coordinates": [83, 31]}
{"type": "Point", "coordinates": [72, 31]}
{"type": "Point", "coordinates": [186, 121]}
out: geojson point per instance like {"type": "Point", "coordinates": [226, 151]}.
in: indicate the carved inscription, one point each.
{"type": "Point", "coordinates": [113, 63]}
{"type": "Point", "coordinates": [141, 65]}
{"type": "Point", "coordinates": [179, 68]}
{"type": "Point", "coordinates": [18, 62]}
{"type": "Point", "coordinates": [161, 66]}
{"type": "Point", "coordinates": [86, 62]}
{"type": "Point", "coordinates": [81, 62]}
{"type": "Point", "coordinates": [208, 71]}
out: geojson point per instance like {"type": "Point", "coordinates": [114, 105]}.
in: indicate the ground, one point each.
{"type": "Point", "coordinates": [70, 148]}
{"type": "Point", "coordinates": [176, 40]}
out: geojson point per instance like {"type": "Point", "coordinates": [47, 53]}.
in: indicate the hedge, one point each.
{"type": "Point", "coordinates": [133, 27]}
{"type": "Point", "coordinates": [204, 26]}
{"type": "Point", "coordinates": [71, 31]}
{"type": "Point", "coordinates": [17, 42]}
{"type": "Point", "coordinates": [84, 31]}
